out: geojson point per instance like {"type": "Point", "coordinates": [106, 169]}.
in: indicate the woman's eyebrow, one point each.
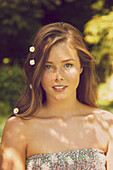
{"type": "Point", "coordinates": [62, 61]}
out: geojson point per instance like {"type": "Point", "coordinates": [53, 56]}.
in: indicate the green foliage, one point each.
{"type": "Point", "coordinates": [16, 15]}
{"type": "Point", "coordinates": [3, 119]}
{"type": "Point", "coordinates": [5, 108]}
{"type": "Point", "coordinates": [100, 26]}
{"type": "Point", "coordinates": [11, 87]}
{"type": "Point", "coordinates": [23, 15]}
{"type": "Point", "coordinates": [99, 35]}
{"type": "Point", "coordinates": [105, 93]}
{"type": "Point", "coordinates": [98, 5]}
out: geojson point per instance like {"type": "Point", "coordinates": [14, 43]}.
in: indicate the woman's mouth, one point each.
{"type": "Point", "coordinates": [59, 88]}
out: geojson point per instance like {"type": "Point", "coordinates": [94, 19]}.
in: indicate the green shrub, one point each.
{"type": "Point", "coordinates": [5, 109]}
{"type": "Point", "coordinates": [12, 85]}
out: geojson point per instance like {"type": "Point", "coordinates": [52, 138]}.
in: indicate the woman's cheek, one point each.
{"type": "Point", "coordinates": [46, 78]}
{"type": "Point", "coordinates": [72, 72]}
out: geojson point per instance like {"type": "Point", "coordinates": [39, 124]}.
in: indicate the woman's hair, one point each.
{"type": "Point", "coordinates": [33, 99]}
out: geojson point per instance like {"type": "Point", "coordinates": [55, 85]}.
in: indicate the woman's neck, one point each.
{"type": "Point", "coordinates": [63, 108]}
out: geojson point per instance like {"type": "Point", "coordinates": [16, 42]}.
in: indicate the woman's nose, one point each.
{"type": "Point", "coordinates": [59, 75]}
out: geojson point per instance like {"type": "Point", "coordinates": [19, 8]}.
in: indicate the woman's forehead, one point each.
{"type": "Point", "coordinates": [63, 51]}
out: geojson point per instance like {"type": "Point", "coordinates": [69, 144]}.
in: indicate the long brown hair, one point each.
{"type": "Point", "coordinates": [33, 99]}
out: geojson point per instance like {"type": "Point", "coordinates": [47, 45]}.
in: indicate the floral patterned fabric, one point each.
{"type": "Point", "coordinates": [88, 159]}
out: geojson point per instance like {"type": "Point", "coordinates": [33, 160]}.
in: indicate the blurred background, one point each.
{"type": "Point", "coordinates": [19, 22]}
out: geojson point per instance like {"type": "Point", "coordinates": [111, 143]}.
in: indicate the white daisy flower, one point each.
{"type": "Point", "coordinates": [16, 110]}
{"type": "Point", "coordinates": [32, 49]}
{"type": "Point", "coordinates": [32, 62]}
{"type": "Point", "coordinates": [30, 86]}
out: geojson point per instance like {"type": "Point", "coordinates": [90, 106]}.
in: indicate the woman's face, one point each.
{"type": "Point", "coordinates": [62, 71]}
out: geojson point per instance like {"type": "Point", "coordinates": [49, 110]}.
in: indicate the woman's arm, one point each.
{"type": "Point", "coordinates": [110, 156]}
{"type": "Point", "coordinates": [13, 146]}
{"type": "Point", "coordinates": [110, 145]}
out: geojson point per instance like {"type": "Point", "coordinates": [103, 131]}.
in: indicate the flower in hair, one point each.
{"type": "Point", "coordinates": [30, 86]}
{"type": "Point", "coordinates": [32, 49]}
{"type": "Point", "coordinates": [16, 110]}
{"type": "Point", "coordinates": [32, 62]}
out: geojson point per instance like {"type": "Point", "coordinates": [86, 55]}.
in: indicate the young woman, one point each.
{"type": "Point", "coordinates": [56, 123]}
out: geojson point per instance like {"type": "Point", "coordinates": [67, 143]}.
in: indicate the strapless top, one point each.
{"type": "Point", "coordinates": [88, 159]}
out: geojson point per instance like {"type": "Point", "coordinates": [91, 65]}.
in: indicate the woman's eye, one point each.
{"type": "Point", "coordinates": [48, 66]}
{"type": "Point", "coordinates": [68, 65]}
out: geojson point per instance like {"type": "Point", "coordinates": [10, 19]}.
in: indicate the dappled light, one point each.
{"type": "Point", "coordinates": [98, 5]}
{"type": "Point", "coordinates": [105, 93]}
{"type": "Point", "coordinates": [99, 33]}
{"type": "Point", "coordinates": [89, 133]}
{"type": "Point", "coordinates": [101, 26]}
{"type": "Point", "coordinates": [19, 22]}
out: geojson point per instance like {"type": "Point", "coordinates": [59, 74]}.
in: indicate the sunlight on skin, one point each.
{"type": "Point", "coordinates": [90, 119]}
{"type": "Point", "coordinates": [104, 123]}
{"type": "Point", "coordinates": [111, 131]}
{"type": "Point", "coordinates": [56, 135]}
{"type": "Point", "coordinates": [88, 124]}
{"type": "Point", "coordinates": [62, 123]}
{"type": "Point", "coordinates": [61, 138]}
{"type": "Point", "coordinates": [64, 140]}
{"type": "Point", "coordinates": [9, 134]}
{"type": "Point", "coordinates": [11, 151]}
{"type": "Point", "coordinates": [88, 127]}
{"type": "Point", "coordinates": [106, 118]}
{"type": "Point", "coordinates": [22, 137]}
{"type": "Point", "coordinates": [12, 156]}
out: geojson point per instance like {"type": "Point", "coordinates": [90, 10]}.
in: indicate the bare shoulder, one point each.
{"type": "Point", "coordinates": [13, 144]}
{"type": "Point", "coordinates": [103, 114]}
{"type": "Point", "coordinates": [105, 119]}
{"type": "Point", "coordinates": [14, 121]}
{"type": "Point", "coordinates": [14, 125]}
{"type": "Point", "coordinates": [13, 133]}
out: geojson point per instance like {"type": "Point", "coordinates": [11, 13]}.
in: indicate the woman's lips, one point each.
{"type": "Point", "coordinates": [59, 88]}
